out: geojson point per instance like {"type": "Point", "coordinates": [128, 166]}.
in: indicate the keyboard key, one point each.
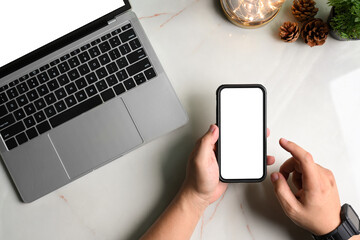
{"type": "Point", "coordinates": [16, 81]}
{"type": "Point", "coordinates": [95, 42]}
{"type": "Point", "coordinates": [73, 74]}
{"type": "Point", "coordinates": [12, 130]}
{"type": "Point", "coordinates": [119, 89]}
{"type": "Point", "coordinates": [138, 67]}
{"type": "Point", "coordinates": [43, 127]}
{"type": "Point", "coordinates": [12, 105]}
{"type": "Point", "coordinates": [111, 68]}
{"type": "Point", "coordinates": [150, 73]}
{"type": "Point", "coordinates": [60, 93]}
{"type": "Point", "coordinates": [107, 95]}
{"type": "Point", "coordinates": [80, 96]}
{"type": "Point", "coordinates": [81, 83]}
{"type": "Point", "coordinates": [84, 57]}
{"type": "Point", "coordinates": [139, 78]}
{"type": "Point", "coordinates": [22, 87]}
{"type": "Point", "coordinates": [63, 67]}
{"type": "Point", "coordinates": [21, 138]}
{"type": "Point", "coordinates": [136, 56]}
{"type": "Point", "coordinates": [122, 62]}
{"type": "Point", "coordinates": [43, 77]}
{"type": "Point", "coordinates": [74, 62]}
{"type": "Point", "coordinates": [12, 84]}
{"type": "Point", "coordinates": [129, 84]}
{"type": "Point", "coordinates": [22, 100]}
{"type": "Point", "coordinates": [12, 93]}
{"type": "Point", "coordinates": [42, 90]}
{"type": "Point", "coordinates": [31, 133]}
{"type": "Point", "coordinates": [53, 85]}
{"type": "Point", "coordinates": [63, 80]}
{"type": "Point", "coordinates": [39, 116]}
{"type": "Point", "coordinates": [101, 73]}
{"type": "Point", "coordinates": [84, 69]}
{"type": "Point", "coordinates": [122, 75]}
{"type": "Point", "coordinates": [126, 27]}
{"type": "Point", "coordinates": [29, 109]}
{"type": "Point", "coordinates": [101, 85]}
{"type": "Point", "coordinates": [107, 36]}
{"type": "Point", "coordinates": [135, 44]}
{"type": "Point", "coordinates": [116, 32]}
{"type": "Point", "coordinates": [85, 47]}
{"type": "Point", "coordinates": [125, 49]}
{"type": "Point", "coordinates": [104, 59]}
{"type": "Point", "coordinates": [32, 82]}
{"type": "Point", "coordinates": [75, 52]}
{"type": "Point", "coordinates": [114, 54]}
{"type": "Point", "coordinates": [70, 88]}
{"type": "Point", "coordinates": [11, 143]}
{"type": "Point", "coordinates": [19, 114]}
{"type": "Point", "coordinates": [53, 63]}
{"type": "Point", "coordinates": [32, 95]}
{"type": "Point", "coordinates": [128, 35]}
{"type": "Point", "coordinates": [3, 98]}
{"type": "Point", "coordinates": [65, 57]}
{"type": "Point", "coordinates": [60, 106]}
{"type": "Point", "coordinates": [45, 67]}
{"type": "Point", "coordinates": [94, 52]}
{"type": "Point", "coordinates": [70, 101]}
{"type": "Point", "coordinates": [53, 72]}
{"type": "Point", "coordinates": [91, 78]}
{"type": "Point", "coordinates": [94, 64]}
{"type": "Point", "coordinates": [75, 111]}
{"type": "Point", "coordinates": [6, 121]}
{"type": "Point", "coordinates": [49, 111]}
{"type": "Point", "coordinates": [50, 99]}
{"type": "Point", "coordinates": [104, 47]}
{"type": "Point", "coordinates": [111, 80]}
{"type": "Point", "coordinates": [23, 78]}
{"type": "Point", "coordinates": [39, 104]}
{"type": "Point", "coordinates": [29, 121]}
{"type": "Point", "coordinates": [33, 73]}
{"type": "Point", "coordinates": [115, 41]}
{"type": "Point", "coordinates": [3, 110]}
{"type": "Point", "coordinates": [91, 90]}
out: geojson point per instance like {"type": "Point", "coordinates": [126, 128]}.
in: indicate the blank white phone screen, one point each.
{"type": "Point", "coordinates": [242, 133]}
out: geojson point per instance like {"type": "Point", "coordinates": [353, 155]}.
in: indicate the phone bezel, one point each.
{"type": "Point", "coordinates": [218, 122]}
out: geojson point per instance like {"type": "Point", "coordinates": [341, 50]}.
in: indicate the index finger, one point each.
{"type": "Point", "coordinates": [302, 162]}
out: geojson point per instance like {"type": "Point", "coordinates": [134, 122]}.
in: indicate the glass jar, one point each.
{"type": "Point", "coordinates": [251, 13]}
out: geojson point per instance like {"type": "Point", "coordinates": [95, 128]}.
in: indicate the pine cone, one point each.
{"type": "Point", "coordinates": [315, 32]}
{"type": "Point", "coordinates": [289, 32]}
{"type": "Point", "coordinates": [304, 10]}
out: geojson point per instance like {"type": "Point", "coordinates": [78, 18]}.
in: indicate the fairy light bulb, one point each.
{"type": "Point", "coordinates": [251, 13]}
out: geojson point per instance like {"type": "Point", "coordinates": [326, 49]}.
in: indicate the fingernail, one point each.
{"type": "Point", "coordinates": [274, 177]}
{"type": "Point", "coordinates": [212, 128]}
{"type": "Point", "coordinates": [284, 140]}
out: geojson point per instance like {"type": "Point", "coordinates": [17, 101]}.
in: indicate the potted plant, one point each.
{"type": "Point", "coordinates": [344, 19]}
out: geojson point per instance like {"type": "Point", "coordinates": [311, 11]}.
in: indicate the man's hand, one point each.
{"type": "Point", "coordinates": [316, 204]}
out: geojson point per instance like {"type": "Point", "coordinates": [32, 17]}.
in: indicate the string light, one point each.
{"type": "Point", "coordinates": [251, 12]}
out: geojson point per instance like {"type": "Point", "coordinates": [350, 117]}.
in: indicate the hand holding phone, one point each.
{"type": "Point", "coordinates": [241, 117]}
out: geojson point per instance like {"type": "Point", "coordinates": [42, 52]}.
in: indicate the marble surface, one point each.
{"type": "Point", "coordinates": [313, 99]}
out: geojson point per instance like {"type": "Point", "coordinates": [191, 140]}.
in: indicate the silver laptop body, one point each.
{"type": "Point", "coordinates": [71, 149]}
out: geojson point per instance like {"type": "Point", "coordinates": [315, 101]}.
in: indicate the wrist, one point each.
{"type": "Point", "coordinates": [192, 201]}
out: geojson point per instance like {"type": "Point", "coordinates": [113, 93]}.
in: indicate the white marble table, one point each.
{"type": "Point", "coordinates": [313, 99]}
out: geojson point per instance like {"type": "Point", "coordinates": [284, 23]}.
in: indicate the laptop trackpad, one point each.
{"type": "Point", "coordinates": [96, 137]}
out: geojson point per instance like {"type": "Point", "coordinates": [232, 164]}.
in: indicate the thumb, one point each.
{"type": "Point", "coordinates": [212, 135]}
{"type": "Point", "coordinates": [288, 202]}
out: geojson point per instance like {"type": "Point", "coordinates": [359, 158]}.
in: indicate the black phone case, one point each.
{"type": "Point", "coordinates": [218, 147]}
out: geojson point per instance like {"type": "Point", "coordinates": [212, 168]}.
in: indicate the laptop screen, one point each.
{"type": "Point", "coordinates": [27, 25]}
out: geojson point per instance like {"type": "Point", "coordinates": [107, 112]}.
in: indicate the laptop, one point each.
{"type": "Point", "coordinates": [81, 100]}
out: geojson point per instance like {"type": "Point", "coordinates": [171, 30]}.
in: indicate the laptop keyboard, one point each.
{"type": "Point", "coordinates": [71, 85]}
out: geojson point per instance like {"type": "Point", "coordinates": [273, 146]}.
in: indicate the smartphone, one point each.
{"type": "Point", "coordinates": [241, 118]}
